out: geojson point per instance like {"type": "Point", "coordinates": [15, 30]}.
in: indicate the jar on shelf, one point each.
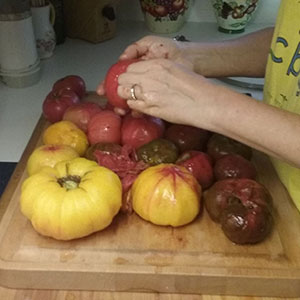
{"type": "Point", "coordinates": [165, 16]}
{"type": "Point", "coordinates": [43, 18]}
{"type": "Point", "coordinates": [19, 61]}
{"type": "Point", "coordinates": [233, 15]}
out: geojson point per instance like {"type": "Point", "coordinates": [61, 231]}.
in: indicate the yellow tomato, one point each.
{"type": "Point", "coordinates": [49, 155]}
{"type": "Point", "coordinates": [166, 194]}
{"type": "Point", "coordinates": [66, 133]}
{"type": "Point", "coordinates": [71, 200]}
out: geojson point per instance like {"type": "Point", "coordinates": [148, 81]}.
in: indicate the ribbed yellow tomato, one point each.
{"type": "Point", "coordinates": [66, 133]}
{"type": "Point", "coordinates": [49, 156]}
{"type": "Point", "coordinates": [71, 200]}
{"type": "Point", "coordinates": [166, 194]}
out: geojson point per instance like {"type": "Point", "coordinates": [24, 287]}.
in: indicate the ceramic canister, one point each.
{"type": "Point", "coordinates": [165, 16]}
{"type": "Point", "coordinates": [43, 30]}
{"type": "Point", "coordinates": [17, 43]}
{"type": "Point", "coordinates": [233, 15]}
{"type": "Point", "coordinates": [19, 61]}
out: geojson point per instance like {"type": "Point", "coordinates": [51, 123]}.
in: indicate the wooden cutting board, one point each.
{"type": "Point", "coordinates": [134, 255]}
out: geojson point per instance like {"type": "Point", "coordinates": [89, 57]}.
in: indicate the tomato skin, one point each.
{"type": "Point", "coordinates": [243, 207]}
{"type": "Point", "coordinates": [71, 82]}
{"type": "Point", "coordinates": [166, 194]}
{"type": "Point", "coordinates": [81, 113]}
{"type": "Point", "coordinates": [78, 199]}
{"type": "Point", "coordinates": [104, 127]}
{"type": "Point", "coordinates": [187, 137]}
{"type": "Point", "coordinates": [57, 102]}
{"type": "Point", "coordinates": [48, 155]}
{"type": "Point", "coordinates": [107, 148]}
{"type": "Point", "coordinates": [219, 145]}
{"type": "Point", "coordinates": [139, 130]}
{"type": "Point", "coordinates": [111, 83]}
{"type": "Point", "coordinates": [157, 152]}
{"type": "Point", "coordinates": [200, 165]}
{"type": "Point", "coordinates": [234, 166]}
{"type": "Point", "coordinates": [66, 133]}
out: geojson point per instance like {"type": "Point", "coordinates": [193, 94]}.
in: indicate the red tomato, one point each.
{"type": "Point", "coordinates": [139, 130]}
{"type": "Point", "coordinates": [111, 83]}
{"type": "Point", "coordinates": [71, 82]}
{"type": "Point", "coordinates": [200, 165]}
{"type": "Point", "coordinates": [187, 137]}
{"type": "Point", "coordinates": [56, 103]}
{"type": "Point", "coordinates": [81, 113]}
{"type": "Point", "coordinates": [234, 166]}
{"type": "Point", "coordinates": [104, 127]}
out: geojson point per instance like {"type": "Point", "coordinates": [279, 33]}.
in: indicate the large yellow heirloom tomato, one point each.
{"type": "Point", "coordinates": [166, 194]}
{"type": "Point", "coordinates": [66, 133]}
{"type": "Point", "coordinates": [72, 200]}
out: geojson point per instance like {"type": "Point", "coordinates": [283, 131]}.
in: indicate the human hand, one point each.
{"type": "Point", "coordinates": [169, 91]}
{"type": "Point", "coordinates": [151, 47]}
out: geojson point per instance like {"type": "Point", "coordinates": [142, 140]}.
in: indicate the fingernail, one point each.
{"type": "Point", "coordinates": [123, 56]}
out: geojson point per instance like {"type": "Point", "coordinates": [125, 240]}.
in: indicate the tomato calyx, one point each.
{"type": "Point", "coordinates": [69, 182]}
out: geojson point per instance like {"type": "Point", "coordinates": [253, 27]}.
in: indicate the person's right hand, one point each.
{"type": "Point", "coordinates": [170, 91]}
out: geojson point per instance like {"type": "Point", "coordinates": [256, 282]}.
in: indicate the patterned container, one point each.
{"type": "Point", "coordinates": [165, 16]}
{"type": "Point", "coordinates": [43, 30]}
{"type": "Point", "coordinates": [233, 15]}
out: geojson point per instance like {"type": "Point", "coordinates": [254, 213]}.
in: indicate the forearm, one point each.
{"type": "Point", "coordinates": [256, 124]}
{"type": "Point", "coordinates": [245, 56]}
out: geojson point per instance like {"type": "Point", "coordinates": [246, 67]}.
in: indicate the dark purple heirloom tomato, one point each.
{"type": "Point", "coordinates": [234, 166]}
{"type": "Point", "coordinates": [219, 145]}
{"type": "Point", "coordinates": [242, 207]}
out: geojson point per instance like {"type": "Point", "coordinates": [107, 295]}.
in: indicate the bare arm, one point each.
{"type": "Point", "coordinates": [244, 56]}
{"type": "Point", "coordinates": [261, 126]}
{"type": "Point", "coordinates": [174, 93]}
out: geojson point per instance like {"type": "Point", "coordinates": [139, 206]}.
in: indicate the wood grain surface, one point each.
{"type": "Point", "coordinates": [11, 294]}
{"type": "Point", "coordinates": [133, 259]}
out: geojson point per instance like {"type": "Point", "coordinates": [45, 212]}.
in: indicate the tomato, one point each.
{"type": "Point", "coordinates": [234, 166]}
{"type": "Point", "coordinates": [187, 137]}
{"type": "Point", "coordinates": [242, 207]}
{"type": "Point", "coordinates": [48, 155]}
{"type": "Point", "coordinates": [200, 165]}
{"type": "Point", "coordinates": [219, 145]}
{"type": "Point", "coordinates": [57, 102]}
{"type": "Point", "coordinates": [71, 82]}
{"type": "Point", "coordinates": [72, 199]}
{"type": "Point", "coordinates": [66, 133]}
{"type": "Point", "coordinates": [104, 127]}
{"type": "Point", "coordinates": [111, 83]}
{"type": "Point", "coordinates": [80, 114]}
{"type": "Point", "coordinates": [157, 152]}
{"type": "Point", "coordinates": [166, 194]}
{"type": "Point", "coordinates": [142, 129]}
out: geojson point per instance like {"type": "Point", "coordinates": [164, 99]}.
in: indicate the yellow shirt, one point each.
{"type": "Point", "coordinates": [282, 83]}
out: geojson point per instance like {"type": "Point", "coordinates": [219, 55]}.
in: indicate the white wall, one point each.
{"type": "Point", "coordinates": [201, 11]}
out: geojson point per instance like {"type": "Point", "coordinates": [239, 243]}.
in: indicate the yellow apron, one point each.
{"type": "Point", "coordinates": [282, 83]}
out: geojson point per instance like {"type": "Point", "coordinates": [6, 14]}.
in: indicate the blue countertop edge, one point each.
{"type": "Point", "coordinates": [6, 170]}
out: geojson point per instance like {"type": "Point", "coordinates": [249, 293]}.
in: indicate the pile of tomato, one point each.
{"type": "Point", "coordinates": [133, 142]}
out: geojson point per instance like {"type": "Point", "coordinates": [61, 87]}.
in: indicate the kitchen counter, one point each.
{"type": "Point", "coordinates": [20, 110]}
